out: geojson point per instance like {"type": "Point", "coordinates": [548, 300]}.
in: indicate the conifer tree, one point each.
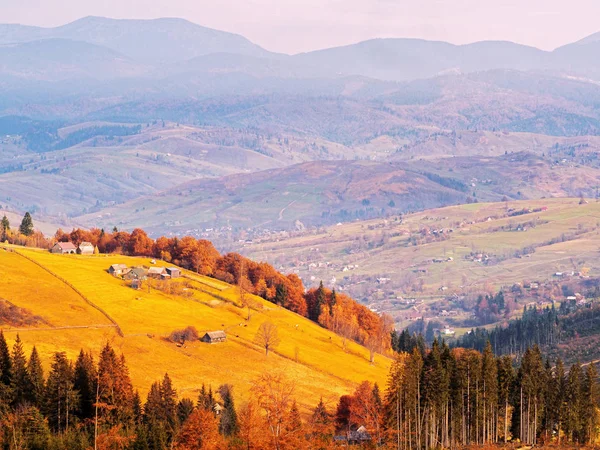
{"type": "Point", "coordinates": [85, 383]}
{"type": "Point", "coordinates": [589, 410]}
{"type": "Point", "coordinates": [115, 389]}
{"type": "Point", "coordinates": [228, 423]}
{"type": "Point", "coordinates": [184, 408]}
{"type": "Point", "coordinates": [168, 413]}
{"type": "Point", "coordinates": [61, 397]}
{"type": "Point", "coordinates": [21, 385]}
{"type": "Point", "coordinates": [26, 228]}
{"type": "Point", "coordinates": [138, 410]}
{"type": "Point", "coordinates": [573, 417]}
{"type": "Point", "coordinates": [5, 362]}
{"type": "Point", "coordinates": [206, 400]}
{"type": "Point", "coordinates": [294, 422]}
{"type": "Point", "coordinates": [154, 419]}
{"type": "Point", "coordinates": [36, 375]}
{"type": "Point", "coordinates": [4, 228]}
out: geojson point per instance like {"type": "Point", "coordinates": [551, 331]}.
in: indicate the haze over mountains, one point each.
{"type": "Point", "coordinates": [167, 47]}
{"type": "Point", "coordinates": [148, 119]}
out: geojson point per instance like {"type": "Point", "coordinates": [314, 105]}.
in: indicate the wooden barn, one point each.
{"type": "Point", "coordinates": [213, 337]}
{"type": "Point", "coordinates": [63, 248]}
{"type": "Point", "coordinates": [85, 248]}
{"type": "Point", "coordinates": [156, 272]}
{"type": "Point", "coordinates": [117, 270]}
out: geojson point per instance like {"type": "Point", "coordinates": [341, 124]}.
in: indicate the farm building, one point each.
{"type": "Point", "coordinates": [174, 272]}
{"type": "Point", "coordinates": [213, 337]}
{"type": "Point", "coordinates": [85, 248]}
{"type": "Point", "coordinates": [137, 273]}
{"type": "Point", "coordinates": [117, 270]}
{"type": "Point", "coordinates": [136, 284]}
{"type": "Point", "coordinates": [156, 272]}
{"type": "Point", "coordinates": [63, 248]}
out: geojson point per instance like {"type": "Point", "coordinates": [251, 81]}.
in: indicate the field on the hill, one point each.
{"type": "Point", "coordinates": [311, 356]}
{"type": "Point", "coordinates": [485, 248]}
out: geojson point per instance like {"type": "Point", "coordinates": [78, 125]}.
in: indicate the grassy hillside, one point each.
{"type": "Point", "coordinates": [102, 308]}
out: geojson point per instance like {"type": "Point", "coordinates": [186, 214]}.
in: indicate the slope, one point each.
{"type": "Point", "coordinates": [311, 356]}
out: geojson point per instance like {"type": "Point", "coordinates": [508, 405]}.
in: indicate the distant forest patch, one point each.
{"type": "Point", "coordinates": [42, 136]}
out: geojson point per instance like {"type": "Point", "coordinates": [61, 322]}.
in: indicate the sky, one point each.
{"type": "Point", "coordinates": [292, 26]}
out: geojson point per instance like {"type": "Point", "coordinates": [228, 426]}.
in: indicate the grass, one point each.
{"type": "Point", "coordinates": [310, 355]}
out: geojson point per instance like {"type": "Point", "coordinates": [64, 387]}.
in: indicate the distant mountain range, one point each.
{"type": "Point", "coordinates": [101, 48]}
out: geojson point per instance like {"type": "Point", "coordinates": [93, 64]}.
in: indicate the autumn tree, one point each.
{"type": "Point", "coordinates": [199, 432]}
{"type": "Point", "coordinates": [274, 394]}
{"type": "Point", "coordinates": [267, 336]}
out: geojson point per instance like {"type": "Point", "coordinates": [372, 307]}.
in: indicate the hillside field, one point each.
{"type": "Point", "coordinates": [563, 236]}
{"type": "Point", "coordinates": [101, 305]}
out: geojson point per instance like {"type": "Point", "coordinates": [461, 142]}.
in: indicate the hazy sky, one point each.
{"type": "Point", "coordinates": [292, 26]}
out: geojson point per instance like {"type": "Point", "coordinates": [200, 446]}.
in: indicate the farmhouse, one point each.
{"type": "Point", "coordinates": [174, 272]}
{"type": "Point", "coordinates": [137, 273]}
{"type": "Point", "coordinates": [213, 337]}
{"type": "Point", "coordinates": [117, 270]}
{"type": "Point", "coordinates": [85, 248]}
{"type": "Point", "coordinates": [156, 272]}
{"type": "Point", "coordinates": [63, 248]}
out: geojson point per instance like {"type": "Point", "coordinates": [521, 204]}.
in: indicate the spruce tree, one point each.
{"type": "Point", "coordinates": [228, 423]}
{"type": "Point", "coordinates": [5, 362]}
{"type": "Point", "coordinates": [168, 405]}
{"type": "Point", "coordinates": [294, 421]}
{"type": "Point", "coordinates": [138, 410]}
{"type": "Point", "coordinates": [36, 375]}
{"type": "Point", "coordinates": [85, 383]}
{"type": "Point", "coordinates": [21, 381]}
{"type": "Point", "coordinates": [185, 407]}
{"type": "Point", "coordinates": [26, 227]}
{"type": "Point", "coordinates": [4, 228]}
{"type": "Point", "coordinates": [61, 397]}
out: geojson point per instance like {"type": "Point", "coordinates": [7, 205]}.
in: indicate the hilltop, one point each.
{"type": "Point", "coordinates": [76, 304]}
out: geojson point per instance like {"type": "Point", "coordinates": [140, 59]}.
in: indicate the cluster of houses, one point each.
{"type": "Point", "coordinates": [66, 248]}
{"type": "Point", "coordinates": [138, 274]}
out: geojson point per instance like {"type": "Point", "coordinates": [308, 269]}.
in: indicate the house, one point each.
{"type": "Point", "coordinates": [156, 272]}
{"type": "Point", "coordinates": [136, 284]}
{"type": "Point", "coordinates": [63, 248]}
{"type": "Point", "coordinates": [137, 273]}
{"type": "Point", "coordinates": [117, 270]}
{"type": "Point", "coordinates": [174, 272]}
{"type": "Point", "coordinates": [213, 337]}
{"type": "Point", "coordinates": [354, 437]}
{"type": "Point", "coordinates": [85, 248]}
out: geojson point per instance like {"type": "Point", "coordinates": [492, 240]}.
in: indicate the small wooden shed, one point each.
{"type": "Point", "coordinates": [213, 337]}
{"type": "Point", "coordinates": [174, 272]}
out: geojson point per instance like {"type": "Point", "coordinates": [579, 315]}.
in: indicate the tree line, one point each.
{"type": "Point", "coordinates": [442, 398]}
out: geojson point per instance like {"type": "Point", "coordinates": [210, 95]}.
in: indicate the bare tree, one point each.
{"type": "Point", "coordinates": [267, 336]}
